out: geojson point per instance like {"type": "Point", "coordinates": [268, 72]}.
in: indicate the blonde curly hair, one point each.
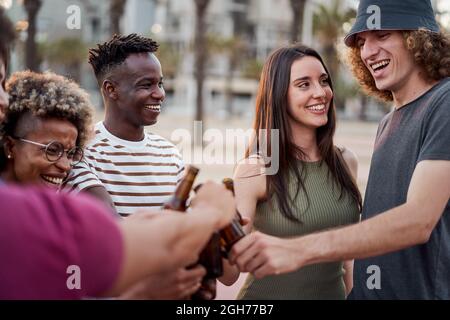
{"type": "Point", "coordinates": [431, 52]}
{"type": "Point", "coordinates": [47, 95]}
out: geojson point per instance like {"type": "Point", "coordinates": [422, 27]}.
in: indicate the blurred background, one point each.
{"type": "Point", "coordinates": [211, 52]}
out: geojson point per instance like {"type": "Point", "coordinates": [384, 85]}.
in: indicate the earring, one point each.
{"type": "Point", "coordinates": [9, 156]}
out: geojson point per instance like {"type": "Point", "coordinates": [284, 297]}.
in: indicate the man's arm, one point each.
{"type": "Point", "coordinates": [403, 226]}
{"type": "Point", "coordinates": [348, 276]}
{"type": "Point", "coordinates": [83, 178]}
{"type": "Point", "coordinates": [100, 193]}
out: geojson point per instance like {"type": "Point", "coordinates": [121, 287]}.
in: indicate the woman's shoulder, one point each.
{"type": "Point", "coordinates": [252, 166]}
{"type": "Point", "coordinates": [350, 158]}
{"type": "Point", "coordinates": [250, 173]}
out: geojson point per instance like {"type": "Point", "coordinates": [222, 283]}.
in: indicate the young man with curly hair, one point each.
{"type": "Point", "coordinates": [402, 245]}
{"type": "Point", "coordinates": [125, 166]}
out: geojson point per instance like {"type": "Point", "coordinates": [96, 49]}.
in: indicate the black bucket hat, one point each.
{"type": "Point", "coordinates": [394, 15]}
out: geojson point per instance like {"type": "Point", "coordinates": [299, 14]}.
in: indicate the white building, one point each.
{"type": "Point", "coordinates": [263, 24]}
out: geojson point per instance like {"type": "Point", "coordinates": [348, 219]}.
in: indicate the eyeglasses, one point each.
{"type": "Point", "coordinates": [55, 150]}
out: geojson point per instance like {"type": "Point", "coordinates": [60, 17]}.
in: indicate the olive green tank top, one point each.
{"type": "Point", "coordinates": [326, 210]}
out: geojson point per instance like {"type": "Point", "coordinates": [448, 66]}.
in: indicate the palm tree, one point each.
{"type": "Point", "coordinates": [67, 54]}
{"type": "Point", "coordinates": [298, 8]}
{"type": "Point", "coordinates": [200, 56]}
{"type": "Point", "coordinates": [328, 26]}
{"type": "Point", "coordinates": [252, 69]}
{"type": "Point", "coordinates": [235, 49]}
{"type": "Point", "coordinates": [32, 8]}
{"type": "Point", "coordinates": [116, 11]}
{"type": "Point", "coordinates": [169, 58]}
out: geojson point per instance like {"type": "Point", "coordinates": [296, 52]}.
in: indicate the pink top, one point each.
{"type": "Point", "coordinates": [56, 246]}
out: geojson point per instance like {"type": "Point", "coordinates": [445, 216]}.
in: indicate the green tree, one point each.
{"type": "Point", "coordinates": [235, 50]}
{"type": "Point", "coordinates": [328, 24]}
{"type": "Point", "coordinates": [252, 69]}
{"type": "Point", "coordinates": [68, 54]}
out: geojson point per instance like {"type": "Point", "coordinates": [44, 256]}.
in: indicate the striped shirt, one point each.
{"type": "Point", "coordinates": [137, 175]}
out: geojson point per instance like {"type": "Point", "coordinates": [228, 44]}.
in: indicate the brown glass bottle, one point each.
{"type": "Point", "coordinates": [179, 198]}
{"type": "Point", "coordinates": [211, 259]}
{"type": "Point", "coordinates": [233, 232]}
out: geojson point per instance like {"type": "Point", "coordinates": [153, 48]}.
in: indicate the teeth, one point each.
{"type": "Point", "coordinates": [379, 64]}
{"type": "Point", "coordinates": [156, 107]}
{"type": "Point", "coordinates": [318, 107]}
{"type": "Point", "coordinates": [53, 179]}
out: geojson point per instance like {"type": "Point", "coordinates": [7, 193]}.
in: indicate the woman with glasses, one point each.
{"type": "Point", "coordinates": [45, 128]}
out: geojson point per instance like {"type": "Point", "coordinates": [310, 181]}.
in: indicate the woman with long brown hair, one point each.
{"type": "Point", "coordinates": [314, 186]}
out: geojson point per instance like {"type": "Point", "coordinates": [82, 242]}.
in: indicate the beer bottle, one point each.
{"type": "Point", "coordinates": [233, 232]}
{"type": "Point", "coordinates": [179, 198]}
{"type": "Point", "coordinates": [211, 259]}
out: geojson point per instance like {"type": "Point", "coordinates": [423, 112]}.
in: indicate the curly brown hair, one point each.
{"type": "Point", "coordinates": [47, 95]}
{"type": "Point", "coordinates": [431, 51]}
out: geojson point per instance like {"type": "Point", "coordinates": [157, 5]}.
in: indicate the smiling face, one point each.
{"type": "Point", "coordinates": [309, 93]}
{"type": "Point", "coordinates": [386, 57]}
{"type": "Point", "coordinates": [28, 163]}
{"type": "Point", "coordinates": [139, 89]}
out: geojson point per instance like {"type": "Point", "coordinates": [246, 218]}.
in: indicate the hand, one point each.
{"type": "Point", "coordinates": [207, 290]}
{"type": "Point", "coordinates": [244, 221]}
{"type": "Point", "coordinates": [174, 285]}
{"type": "Point", "coordinates": [216, 197]}
{"type": "Point", "coordinates": [264, 255]}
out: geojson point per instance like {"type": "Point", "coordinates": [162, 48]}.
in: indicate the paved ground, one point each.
{"type": "Point", "coordinates": [357, 136]}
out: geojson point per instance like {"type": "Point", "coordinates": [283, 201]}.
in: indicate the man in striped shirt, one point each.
{"type": "Point", "coordinates": [134, 174]}
{"type": "Point", "coordinates": [123, 165]}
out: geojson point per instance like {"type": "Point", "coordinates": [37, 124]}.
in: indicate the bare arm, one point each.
{"type": "Point", "coordinates": [175, 239]}
{"type": "Point", "coordinates": [352, 163]}
{"type": "Point", "coordinates": [249, 188]}
{"type": "Point", "coordinates": [348, 276]}
{"type": "Point", "coordinates": [100, 193]}
{"type": "Point", "coordinates": [168, 285]}
{"type": "Point", "coordinates": [401, 227]}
